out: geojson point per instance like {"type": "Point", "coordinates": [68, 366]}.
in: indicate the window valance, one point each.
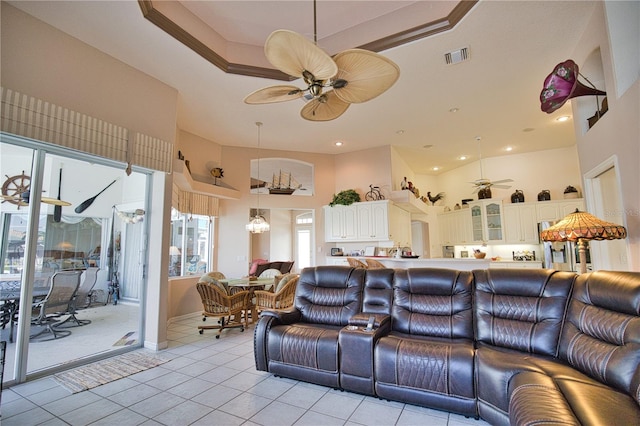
{"type": "Point", "coordinates": [30, 117]}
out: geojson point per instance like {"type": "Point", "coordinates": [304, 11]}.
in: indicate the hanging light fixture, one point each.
{"type": "Point", "coordinates": [258, 224]}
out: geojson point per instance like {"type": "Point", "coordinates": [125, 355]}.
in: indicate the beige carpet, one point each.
{"type": "Point", "coordinates": [108, 370]}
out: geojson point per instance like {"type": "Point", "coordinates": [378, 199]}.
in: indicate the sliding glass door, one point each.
{"type": "Point", "coordinates": [69, 221]}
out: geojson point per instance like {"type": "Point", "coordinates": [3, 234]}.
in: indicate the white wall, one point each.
{"type": "Point", "coordinates": [618, 131]}
{"type": "Point", "coordinates": [531, 172]}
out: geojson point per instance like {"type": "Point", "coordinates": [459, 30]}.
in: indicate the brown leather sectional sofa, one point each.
{"type": "Point", "coordinates": [519, 346]}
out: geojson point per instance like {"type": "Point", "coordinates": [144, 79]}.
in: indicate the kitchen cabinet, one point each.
{"type": "Point", "coordinates": [516, 265]}
{"type": "Point", "coordinates": [455, 227]}
{"type": "Point", "coordinates": [486, 221]}
{"type": "Point", "coordinates": [553, 210]}
{"type": "Point", "coordinates": [373, 221]}
{"type": "Point", "coordinates": [520, 224]}
{"type": "Point", "coordinates": [367, 221]}
{"type": "Point", "coordinates": [340, 223]}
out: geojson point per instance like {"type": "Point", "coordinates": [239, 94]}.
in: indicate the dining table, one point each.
{"type": "Point", "coordinates": [10, 302]}
{"type": "Point", "coordinates": [250, 284]}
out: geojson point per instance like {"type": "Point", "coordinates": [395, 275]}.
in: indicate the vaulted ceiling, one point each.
{"type": "Point", "coordinates": [212, 53]}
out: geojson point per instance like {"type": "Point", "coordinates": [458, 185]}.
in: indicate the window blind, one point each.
{"type": "Point", "coordinates": [33, 118]}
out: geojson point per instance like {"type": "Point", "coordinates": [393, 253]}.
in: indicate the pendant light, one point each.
{"type": "Point", "coordinates": [258, 224]}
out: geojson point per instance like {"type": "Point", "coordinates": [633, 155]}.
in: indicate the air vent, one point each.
{"type": "Point", "coordinates": [456, 56]}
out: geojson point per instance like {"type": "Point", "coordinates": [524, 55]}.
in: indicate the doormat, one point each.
{"type": "Point", "coordinates": [127, 340]}
{"type": "Point", "coordinates": [105, 371]}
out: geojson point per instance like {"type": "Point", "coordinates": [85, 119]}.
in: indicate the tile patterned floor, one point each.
{"type": "Point", "coordinates": [208, 382]}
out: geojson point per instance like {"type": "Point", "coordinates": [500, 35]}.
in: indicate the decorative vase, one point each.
{"type": "Point", "coordinates": [484, 193]}
{"type": "Point", "coordinates": [517, 197]}
{"type": "Point", "coordinates": [544, 195]}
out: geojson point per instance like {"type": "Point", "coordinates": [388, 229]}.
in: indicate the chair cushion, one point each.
{"type": "Point", "coordinates": [284, 279]}
{"type": "Point", "coordinates": [209, 279]}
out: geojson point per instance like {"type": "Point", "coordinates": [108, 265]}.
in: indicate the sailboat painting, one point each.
{"type": "Point", "coordinates": [283, 183]}
{"type": "Point", "coordinates": [281, 176]}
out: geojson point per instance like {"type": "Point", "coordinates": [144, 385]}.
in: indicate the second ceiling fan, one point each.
{"type": "Point", "coordinates": [351, 76]}
{"type": "Point", "coordinates": [483, 185]}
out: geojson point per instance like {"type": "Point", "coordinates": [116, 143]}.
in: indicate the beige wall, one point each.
{"type": "Point", "coordinates": [41, 61]}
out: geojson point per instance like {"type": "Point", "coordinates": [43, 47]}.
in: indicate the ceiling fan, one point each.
{"type": "Point", "coordinates": [351, 76]}
{"type": "Point", "coordinates": [484, 185]}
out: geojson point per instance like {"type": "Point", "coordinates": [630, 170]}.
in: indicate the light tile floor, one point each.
{"type": "Point", "coordinates": [208, 382]}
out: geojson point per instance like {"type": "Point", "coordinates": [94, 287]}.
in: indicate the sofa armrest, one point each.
{"type": "Point", "coordinates": [361, 319]}
{"type": "Point", "coordinates": [356, 351]}
{"type": "Point", "coordinates": [283, 317]}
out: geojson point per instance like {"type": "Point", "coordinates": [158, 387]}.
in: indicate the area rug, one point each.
{"type": "Point", "coordinates": [108, 370]}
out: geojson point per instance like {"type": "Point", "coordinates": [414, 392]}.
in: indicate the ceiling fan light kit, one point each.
{"type": "Point", "coordinates": [333, 84]}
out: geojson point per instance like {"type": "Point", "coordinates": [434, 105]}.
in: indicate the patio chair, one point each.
{"type": "Point", "coordinates": [82, 299]}
{"type": "Point", "coordinates": [46, 312]}
{"type": "Point", "coordinates": [228, 308]}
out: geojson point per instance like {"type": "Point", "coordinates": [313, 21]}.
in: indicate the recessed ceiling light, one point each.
{"type": "Point", "coordinates": [462, 157]}
{"type": "Point", "coordinates": [454, 109]}
{"type": "Point", "coordinates": [528, 129]}
{"type": "Point", "coordinates": [563, 118]}
{"type": "Point", "coordinates": [338, 143]}
{"type": "Point", "coordinates": [399, 132]}
{"type": "Point", "coordinates": [509, 148]}
{"type": "Point", "coordinates": [435, 169]}
{"type": "Point", "coordinates": [427, 146]}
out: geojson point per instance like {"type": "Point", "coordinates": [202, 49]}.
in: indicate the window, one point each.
{"type": "Point", "coordinates": [190, 252]}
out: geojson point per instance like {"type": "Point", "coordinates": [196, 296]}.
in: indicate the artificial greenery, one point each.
{"type": "Point", "coordinates": [346, 197]}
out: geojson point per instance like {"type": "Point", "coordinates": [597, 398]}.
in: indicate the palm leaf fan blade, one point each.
{"type": "Point", "coordinates": [292, 54]}
{"type": "Point", "coordinates": [326, 107]}
{"type": "Point", "coordinates": [267, 95]}
{"type": "Point", "coordinates": [368, 75]}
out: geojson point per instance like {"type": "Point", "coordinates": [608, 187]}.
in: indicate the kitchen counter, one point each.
{"type": "Point", "coordinates": [404, 263]}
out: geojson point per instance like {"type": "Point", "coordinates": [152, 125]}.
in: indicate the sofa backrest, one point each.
{"type": "Point", "coordinates": [601, 336]}
{"type": "Point", "coordinates": [433, 302]}
{"type": "Point", "coordinates": [521, 309]}
{"type": "Point", "coordinates": [329, 294]}
{"type": "Point", "coordinates": [378, 291]}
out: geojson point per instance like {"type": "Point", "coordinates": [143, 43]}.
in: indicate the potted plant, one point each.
{"type": "Point", "coordinates": [345, 198]}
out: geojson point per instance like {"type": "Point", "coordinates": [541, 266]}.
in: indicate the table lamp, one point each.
{"type": "Point", "coordinates": [581, 227]}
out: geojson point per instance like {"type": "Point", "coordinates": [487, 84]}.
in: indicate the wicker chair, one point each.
{"type": "Point", "coordinates": [228, 308]}
{"type": "Point", "coordinates": [281, 298]}
{"type": "Point", "coordinates": [374, 264]}
{"type": "Point", "coordinates": [355, 263]}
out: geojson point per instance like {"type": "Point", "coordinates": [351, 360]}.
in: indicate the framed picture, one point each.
{"type": "Point", "coordinates": [370, 251]}
{"type": "Point", "coordinates": [464, 253]}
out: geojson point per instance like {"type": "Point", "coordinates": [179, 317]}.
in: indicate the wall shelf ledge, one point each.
{"type": "Point", "coordinates": [182, 177]}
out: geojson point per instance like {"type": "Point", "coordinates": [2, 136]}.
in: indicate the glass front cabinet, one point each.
{"type": "Point", "coordinates": [487, 221]}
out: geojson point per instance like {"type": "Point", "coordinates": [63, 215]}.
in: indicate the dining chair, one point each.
{"type": "Point", "coordinates": [228, 308]}
{"type": "Point", "coordinates": [374, 264]}
{"type": "Point", "coordinates": [45, 313]}
{"type": "Point", "coordinates": [355, 263]}
{"type": "Point", "coordinates": [281, 298]}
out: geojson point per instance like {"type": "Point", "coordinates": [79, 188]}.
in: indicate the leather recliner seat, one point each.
{"type": "Point", "coordinates": [513, 346]}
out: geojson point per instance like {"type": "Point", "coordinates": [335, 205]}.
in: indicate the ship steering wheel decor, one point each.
{"type": "Point", "coordinates": [14, 187]}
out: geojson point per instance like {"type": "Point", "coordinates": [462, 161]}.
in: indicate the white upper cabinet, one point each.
{"type": "Point", "coordinates": [486, 221]}
{"type": "Point", "coordinates": [520, 224]}
{"type": "Point", "coordinates": [367, 221]}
